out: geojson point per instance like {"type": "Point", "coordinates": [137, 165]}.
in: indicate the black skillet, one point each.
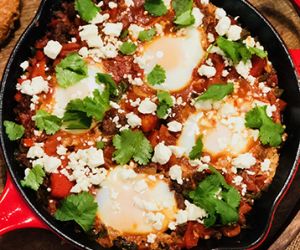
{"type": "Point", "coordinates": [262, 216]}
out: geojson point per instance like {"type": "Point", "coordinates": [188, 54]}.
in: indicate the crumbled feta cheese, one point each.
{"type": "Point", "coordinates": [220, 13]}
{"type": "Point", "coordinates": [24, 65]}
{"type": "Point", "coordinates": [50, 163]}
{"type": "Point", "coordinates": [223, 26]}
{"type": "Point", "coordinates": [249, 41]}
{"type": "Point", "coordinates": [133, 120]}
{"type": "Point", "coordinates": [177, 151]}
{"type": "Point", "coordinates": [34, 86]}
{"type": "Point", "coordinates": [270, 109]}
{"type": "Point", "coordinates": [244, 161]}
{"type": "Point", "coordinates": [134, 30]}
{"type": "Point", "coordinates": [157, 219]}
{"type": "Point", "coordinates": [151, 238]}
{"type": "Point", "coordinates": [129, 3]}
{"type": "Point", "coordinates": [99, 18]}
{"type": "Point", "coordinates": [175, 173]}
{"type": "Point", "coordinates": [52, 49]}
{"type": "Point", "coordinates": [265, 165]}
{"type": "Point", "coordinates": [198, 15]}
{"type": "Point", "coordinates": [174, 126]}
{"type": "Point", "coordinates": [113, 29]}
{"type": "Point", "coordinates": [204, 2]}
{"type": "Point", "coordinates": [36, 151]}
{"type": "Point", "coordinates": [112, 5]}
{"type": "Point", "coordinates": [127, 174]}
{"type": "Point", "coordinates": [89, 33]}
{"type": "Point", "coordinates": [147, 106]}
{"type": "Point", "coordinates": [84, 52]}
{"type": "Point", "coordinates": [237, 180]}
{"type": "Point", "coordinates": [244, 68]}
{"type": "Point", "coordinates": [210, 37]}
{"type": "Point", "coordinates": [234, 33]}
{"type": "Point", "coordinates": [61, 150]}
{"type": "Point", "coordinates": [162, 153]}
{"type": "Point", "coordinates": [207, 71]}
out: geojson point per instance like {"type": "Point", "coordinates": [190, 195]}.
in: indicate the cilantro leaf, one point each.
{"type": "Point", "coordinates": [86, 9]}
{"type": "Point", "coordinates": [76, 120]}
{"type": "Point", "coordinates": [71, 70]}
{"type": "Point", "coordinates": [270, 133]}
{"type": "Point", "coordinates": [216, 92]}
{"type": "Point", "coordinates": [147, 35]}
{"type": "Point", "coordinates": [217, 198]}
{"type": "Point", "coordinates": [197, 149]}
{"type": "Point", "coordinates": [183, 10]}
{"type": "Point", "coordinates": [109, 82]}
{"type": "Point", "coordinates": [132, 144]}
{"type": "Point", "coordinates": [81, 208]}
{"type": "Point", "coordinates": [164, 103]}
{"type": "Point", "coordinates": [157, 75]}
{"type": "Point", "coordinates": [100, 144]}
{"type": "Point", "coordinates": [238, 51]}
{"type": "Point", "coordinates": [94, 107]}
{"type": "Point", "coordinates": [155, 7]}
{"type": "Point", "coordinates": [13, 130]}
{"type": "Point", "coordinates": [128, 48]}
{"type": "Point", "coordinates": [34, 178]}
{"type": "Point", "coordinates": [45, 121]}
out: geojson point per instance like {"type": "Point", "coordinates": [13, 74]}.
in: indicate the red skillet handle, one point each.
{"type": "Point", "coordinates": [295, 53]}
{"type": "Point", "coordinates": [14, 212]}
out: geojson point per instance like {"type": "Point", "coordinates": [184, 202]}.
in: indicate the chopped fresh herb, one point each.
{"type": "Point", "coordinates": [132, 144]}
{"type": "Point", "coordinates": [94, 107]}
{"type": "Point", "coordinates": [270, 133]}
{"type": "Point", "coordinates": [100, 144]}
{"type": "Point", "coordinates": [80, 208]}
{"type": "Point", "coordinates": [157, 75]}
{"type": "Point", "coordinates": [124, 33]}
{"type": "Point", "coordinates": [13, 130]}
{"type": "Point", "coordinates": [76, 120]}
{"type": "Point", "coordinates": [147, 35]}
{"type": "Point", "coordinates": [197, 149]}
{"type": "Point", "coordinates": [218, 199]}
{"type": "Point", "coordinates": [109, 83]}
{"type": "Point", "coordinates": [238, 51]}
{"type": "Point", "coordinates": [45, 121]}
{"type": "Point", "coordinates": [216, 92]}
{"type": "Point", "coordinates": [86, 9]}
{"type": "Point", "coordinates": [155, 7]}
{"type": "Point", "coordinates": [71, 70]}
{"type": "Point", "coordinates": [128, 48]}
{"type": "Point", "coordinates": [183, 10]}
{"type": "Point", "coordinates": [164, 103]}
{"type": "Point", "coordinates": [34, 178]}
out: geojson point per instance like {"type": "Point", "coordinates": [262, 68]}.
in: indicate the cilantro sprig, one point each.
{"type": "Point", "coordinates": [147, 35]}
{"type": "Point", "coordinates": [164, 103]}
{"type": "Point", "coordinates": [197, 149]}
{"type": "Point", "coordinates": [45, 121]}
{"type": "Point", "coordinates": [237, 51]}
{"type": "Point", "coordinates": [155, 7]}
{"type": "Point", "coordinates": [270, 133]}
{"type": "Point", "coordinates": [13, 130]}
{"type": "Point", "coordinates": [217, 198]}
{"type": "Point", "coordinates": [86, 9]}
{"type": "Point", "coordinates": [157, 76]}
{"type": "Point", "coordinates": [80, 208]}
{"type": "Point", "coordinates": [132, 144]}
{"type": "Point", "coordinates": [183, 10]}
{"type": "Point", "coordinates": [216, 92]}
{"type": "Point", "coordinates": [71, 70]}
{"type": "Point", "coordinates": [128, 48]}
{"type": "Point", "coordinates": [109, 83]}
{"type": "Point", "coordinates": [35, 178]}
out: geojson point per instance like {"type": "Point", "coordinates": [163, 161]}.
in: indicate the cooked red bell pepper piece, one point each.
{"type": "Point", "coordinates": [258, 66]}
{"type": "Point", "coordinates": [60, 185]}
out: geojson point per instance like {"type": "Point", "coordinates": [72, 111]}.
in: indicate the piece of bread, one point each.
{"type": "Point", "coordinates": [9, 14]}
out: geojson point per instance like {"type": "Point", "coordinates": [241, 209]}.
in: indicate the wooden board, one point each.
{"type": "Point", "coordinates": [283, 17]}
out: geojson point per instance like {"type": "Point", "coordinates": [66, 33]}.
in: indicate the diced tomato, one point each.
{"type": "Point", "coordinates": [258, 66]}
{"type": "Point", "coordinates": [18, 97]}
{"type": "Point", "coordinates": [50, 146]}
{"type": "Point", "coordinates": [39, 69]}
{"type": "Point", "coordinates": [28, 142]}
{"type": "Point", "coordinates": [231, 231]}
{"type": "Point", "coordinates": [39, 55]}
{"type": "Point", "coordinates": [218, 64]}
{"type": "Point", "coordinates": [149, 122]}
{"type": "Point", "coordinates": [41, 43]}
{"type": "Point", "coordinates": [154, 138]}
{"type": "Point", "coordinates": [60, 185]}
{"type": "Point", "coordinates": [193, 233]}
{"type": "Point", "coordinates": [71, 46]}
{"type": "Point", "coordinates": [244, 209]}
{"type": "Point", "coordinates": [164, 135]}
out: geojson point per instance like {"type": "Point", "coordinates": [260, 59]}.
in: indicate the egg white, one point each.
{"type": "Point", "coordinates": [178, 55]}
{"type": "Point", "coordinates": [124, 207]}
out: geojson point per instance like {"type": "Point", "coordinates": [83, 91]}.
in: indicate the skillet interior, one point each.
{"type": "Point", "coordinates": [260, 217]}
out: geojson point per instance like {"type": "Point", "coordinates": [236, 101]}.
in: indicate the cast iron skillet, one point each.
{"type": "Point", "coordinates": [260, 219]}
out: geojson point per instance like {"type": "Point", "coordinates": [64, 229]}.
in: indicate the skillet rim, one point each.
{"type": "Point", "coordinates": [260, 240]}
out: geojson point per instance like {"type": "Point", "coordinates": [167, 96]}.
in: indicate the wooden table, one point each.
{"type": "Point", "coordinates": [287, 23]}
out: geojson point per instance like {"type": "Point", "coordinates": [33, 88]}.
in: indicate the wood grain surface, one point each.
{"type": "Point", "coordinates": [279, 12]}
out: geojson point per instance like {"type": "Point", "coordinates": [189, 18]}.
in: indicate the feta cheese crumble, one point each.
{"type": "Point", "coordinates": [52, 49]}
{"type": "Point", "coordinates": [162, 153]}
